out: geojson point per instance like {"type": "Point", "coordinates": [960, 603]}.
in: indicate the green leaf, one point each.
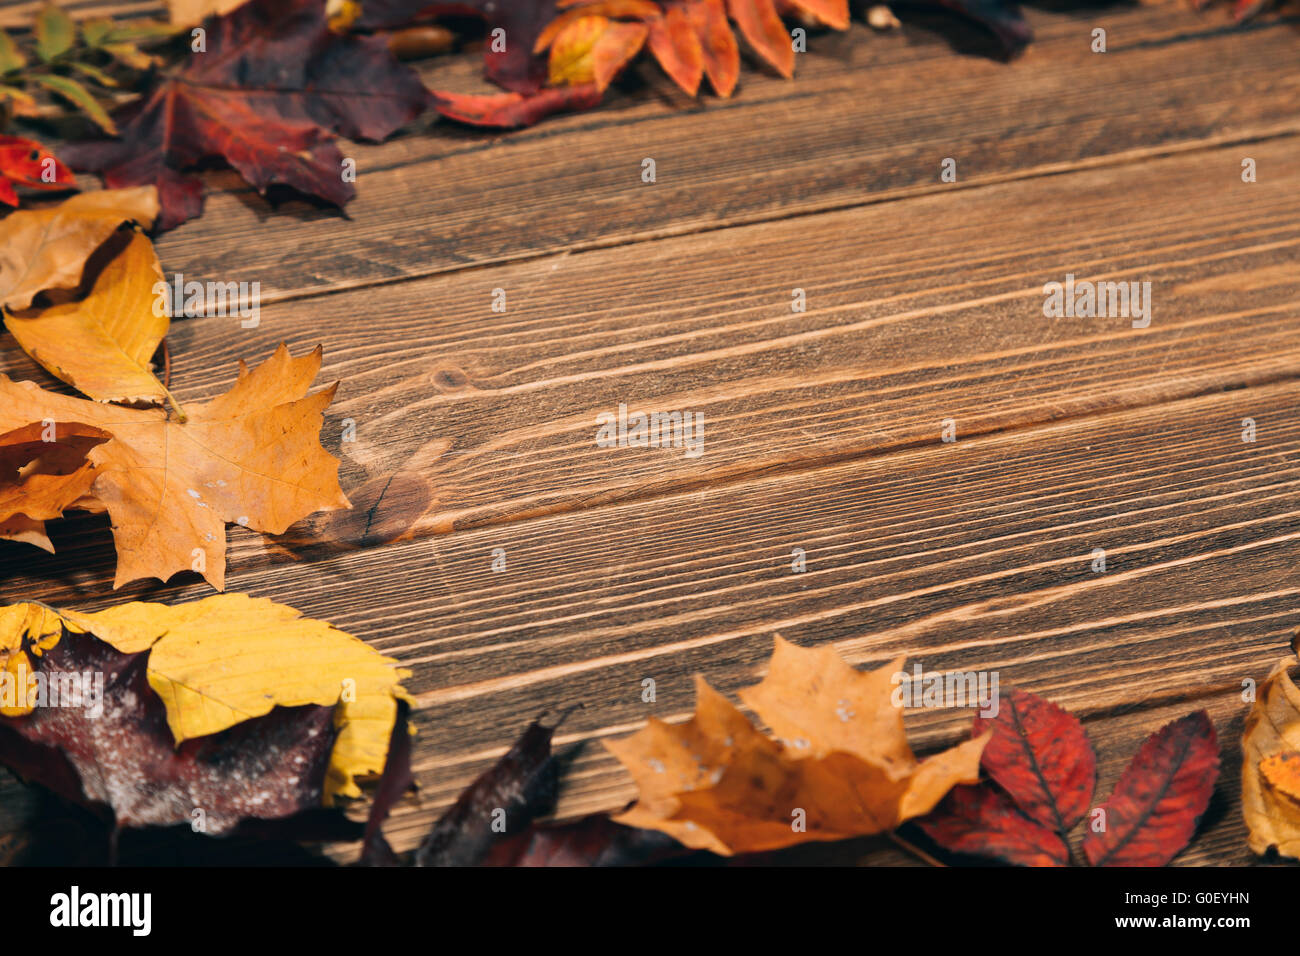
{"type": "Point", "coordinates": [96, 32]}
{"type": "Point", "coordinates": [127, 54]}
{"type": "Point", "coordinates": [95, 73]}
{"type": "Point", "coordinates": [11, 58]}
{"type": "Point", "coordinates": [134, 31]}
{"type": "Point", "coordinates": [55, 33]}
{"type": "Point", "coordinates": [78, 95]}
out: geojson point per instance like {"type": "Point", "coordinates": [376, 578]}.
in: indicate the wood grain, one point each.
{"type": "Point", "coordinates": [973, 556]}
{"type": "Point", "coordinates": [869, 118]}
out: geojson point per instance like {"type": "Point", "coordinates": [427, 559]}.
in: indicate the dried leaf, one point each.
{"type": "Point", "coordinates": [842, 769]}
{"type": "Point", "coordinates": [40, 478]}
{"type": "Point", "coordinates": [511, 793]}
{"type": "Point", "coordinates": [760, 24]}
{"type": "Point", "coordinates": [1271, 748]}
{"type": "Point", "coordinates": [268, 94]}
{"type": "Point", "coordinates": [593, 50]}
{"type": "Point", "coordinates": [204, 704]}
{"type": "Point", "coordinates": [187, 13]}
{"type": "Point", "coordinates": [1158, 801]}
{"type": "Point", "coordinates": [251, 456]}
{"type": "Point", "coordinates": [512, 110]}
{"type": "Point", "coordinates": [984, 821]}
{"type": "Point", "coordinates": [102, 344]}
{"type": "Point", "coordinates": [46, 249]}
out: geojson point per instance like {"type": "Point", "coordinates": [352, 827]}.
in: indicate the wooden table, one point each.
{"type": "Point", "coordinates": [475, 429]}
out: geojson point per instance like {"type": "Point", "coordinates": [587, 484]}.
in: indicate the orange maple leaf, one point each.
{"type": "Point", "coordinates": [251, 456]}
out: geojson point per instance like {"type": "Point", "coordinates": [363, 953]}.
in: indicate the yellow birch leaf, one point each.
{"type": "Point", "coordinates": [102, 344]}
{"type": "Point", "coordinates": [229, 658]}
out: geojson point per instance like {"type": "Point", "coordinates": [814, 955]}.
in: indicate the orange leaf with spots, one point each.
{"type": "Point", "coordinates": [251, 456]}
{"type": "Point", "coordinates": [839, 767]}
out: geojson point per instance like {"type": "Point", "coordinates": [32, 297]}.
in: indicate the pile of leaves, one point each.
{"type": "Point", "coordinates": [206, 714]}
{"type": "Point", "coordinates": [77, 283]}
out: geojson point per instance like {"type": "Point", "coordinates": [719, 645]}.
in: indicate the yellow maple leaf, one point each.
{"type": "Point", "coordinates": [842, 768]}
{"type": "Point", "coordinates": [230, 658]}
{"type": "Point", "coordinates": [45, 249]}
{"type": "Point", "coordinates": [102, 344]}
{"type": "Point", "coordinates": [251, 456]}
{"type": "Point", "coordinates": [1271, 749]}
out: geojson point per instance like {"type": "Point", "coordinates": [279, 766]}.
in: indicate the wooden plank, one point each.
{"type": "Point", "coordinates": [869, 118]}
{"type": "Point", "coordinates": [485, 418]}
{"type": "Point", "coordinates": [978, 555]}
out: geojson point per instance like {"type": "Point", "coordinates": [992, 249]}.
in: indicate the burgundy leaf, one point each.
{"type": "Point", "coordinates": [983, 821]}
{"type": "Point", "coordinates": [126, 761]}
{"type": "Point", "coordinates": [1040, 755]}
{"type": "Point", "coordinates": [1159, 799]}
{"type": "Point", "coordinates": [594, 840]}
{"type": "Point", "coordinates": [267, 95]}
{"type": "Point", "coordinates": [504, 800]}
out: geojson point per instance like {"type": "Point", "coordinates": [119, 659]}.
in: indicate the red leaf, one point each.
{"type": "Point", "coordinates": [761, 25]}
{"type": "Point", "coordinates": [511, 110]}
{"type": "Point", "coordinates": [676, 46]}
{"type": "Point", "coordinates": [267, 95]}
{"type": "Point", "coordinates": [983, 821]}
{"type": "Point", "coordinates": [1160, 797]}
{"type": "Point", "coordinates": [24, 162]}
{"type": "Point", "coordinates": [717, 43]}
{"type": "Point", "coordinates": [1040, 755]}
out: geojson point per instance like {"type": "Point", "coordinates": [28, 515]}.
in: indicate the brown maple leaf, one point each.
{"type": "Point", "coordinates": [841, 767]}
{"type": "Point", "coordinates": [267, 93]}
{"type": "Point", "coordinates": [251, 456]}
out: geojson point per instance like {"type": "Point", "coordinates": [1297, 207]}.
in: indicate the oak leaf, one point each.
{"type": "Point", "coordinates": [267, 94]}
{"type": "Point", "coordinates": [235, 705]}
{"type": "Point", "coordinates": [251, 456]}
{"type": "Point", "coordinates": [47, 249]}
{"type": "Point", "coordinates": [843, 767]}
{"type": "Point", "coordinates": [1270, 798]}
{"type": "Point", "coordinates": [102, 344]}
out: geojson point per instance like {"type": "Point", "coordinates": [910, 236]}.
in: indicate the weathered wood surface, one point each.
{"type": "Point", "coordinates": [475, 430]}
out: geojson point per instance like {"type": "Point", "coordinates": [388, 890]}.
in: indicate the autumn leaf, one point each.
{"type": "Point", "coordinates": [102, 344]}
{"type": "Point", "coordinates": [47, 249]}
{"type": "Point", "coordinates": [1158, 801]}
{"type": "Point", "coordinates": [841, 768]}
{"type": "Point", "coordinates": [984, 821]}
{"type": "Point", "coordinates": [251, 456]}
{"type": "Point", "coordinates": [187, 13]}
{"type": "Point", "coordinates": [1270, 798]}
{"type": "Point", "coordinates": [267, 94]}
{"type": "Point", "coordinates": [509, 63]}
{"type": "Point", "coordinates": [1041, 756]}
{"type": "Point", "coordinates": [592, 50]}
{"type": "Point", "coordinates": [24, 162]}
{"type": "Point", "coordinates": [203, 705]}
{"type": "Point", "coordinates": [513, 791]}
{"type": "Point", "coordinates": [42, 478]}
{"type": "Point", "coordinates": [512, 110]}
{"type": "Point", "coordinates": [1042, 773]}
